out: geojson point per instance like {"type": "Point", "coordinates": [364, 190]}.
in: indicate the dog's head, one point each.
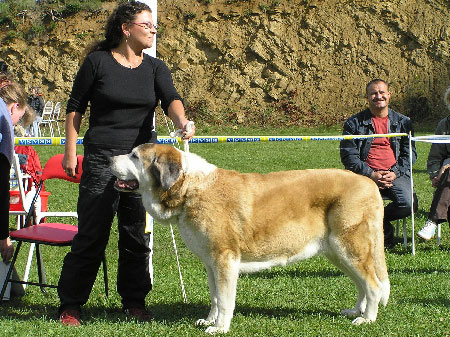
{"type": "Point", "coordinates": [147, 167]}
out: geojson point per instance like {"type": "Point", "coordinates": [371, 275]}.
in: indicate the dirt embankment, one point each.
{"type": "Point", "coordinates": [270, 62]}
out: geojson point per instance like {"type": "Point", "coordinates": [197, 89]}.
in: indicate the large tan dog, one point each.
{"type": "Point", "coordinates": [238, 222]}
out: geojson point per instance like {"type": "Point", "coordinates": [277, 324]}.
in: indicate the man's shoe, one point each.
{"type": "Point", "coordinates": [138, 314]}
{"type": "Point", "coordinates": [70, 317]}
{"type": "Point", "coordinates": [427, 232]}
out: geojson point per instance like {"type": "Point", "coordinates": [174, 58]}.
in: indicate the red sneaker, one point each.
{"type": "Point", "coordinates": [70, 317]}
{"type": "Point", "coordinates": [138, 314]}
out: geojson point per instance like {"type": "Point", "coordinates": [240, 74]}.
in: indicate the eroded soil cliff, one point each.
{"type": "Point", "coordinates": [265, 62]}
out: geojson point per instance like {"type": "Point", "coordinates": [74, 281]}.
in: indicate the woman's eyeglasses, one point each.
{"type": "Point", "coordinates": [145, 25]}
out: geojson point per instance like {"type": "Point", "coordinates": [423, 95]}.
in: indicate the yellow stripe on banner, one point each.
{"type": "Point", "coordinates": [213, 139]}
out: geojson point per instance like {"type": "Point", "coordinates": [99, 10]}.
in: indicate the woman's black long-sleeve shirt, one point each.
{"type": "Point", "coordinates": [122, 100]}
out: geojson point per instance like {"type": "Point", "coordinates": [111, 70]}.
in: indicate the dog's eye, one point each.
{"type": "Point", "coordinates": [134, 155]}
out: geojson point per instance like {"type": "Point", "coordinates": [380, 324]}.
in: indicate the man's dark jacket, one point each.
{"type": "Point", "coordinates": [354, 152]}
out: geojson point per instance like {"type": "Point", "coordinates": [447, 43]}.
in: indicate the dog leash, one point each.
{"type": "Point", "coordinates": [179, 133]}
{"type": "Point", "coordinates": [173, 134]}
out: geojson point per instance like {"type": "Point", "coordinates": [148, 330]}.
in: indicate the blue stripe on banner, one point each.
{"type": "Point", "coordinates": [167, 140]}
{"type": "Point", "coordinates": [204, 140]}
{"type": "Point", "coordinates": [242, 139]}
{"type": "Point", "coordinates": [34, 141]}
{"type": "Point", "coordinates": [284, 139]}
{"type": "Point", "coordinates": [221, 139]}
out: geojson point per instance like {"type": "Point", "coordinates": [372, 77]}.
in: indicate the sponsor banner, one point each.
{"type": "Point", "coordinates": [167, 140]}
{"type": "Point", "coordinates": [43, 141]}
{"type": "Point", "coordinates": [235, 139]}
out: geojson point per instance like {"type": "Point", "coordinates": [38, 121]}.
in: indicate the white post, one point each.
{"type": "Point", "coordinates": [149, 227]}
{"type": "Point", "coordinates": [153, 4]}
{"type": "Point", "coordinates": [152, 52]}
{"type": "Point", "coordinates": [412, 193]}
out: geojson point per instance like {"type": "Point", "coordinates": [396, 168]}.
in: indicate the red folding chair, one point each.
{"type": "Point", "coordinates": [52, 234]}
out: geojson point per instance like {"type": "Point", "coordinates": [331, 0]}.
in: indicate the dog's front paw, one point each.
{"type": "Point", "coordinates": [204, 322]}
{"type": "Point", "coordinates": [351, 312]}
{"type": "Point", "coordinates": [212, 330]}
{"type": "Point", "coordinates": [360, 320]}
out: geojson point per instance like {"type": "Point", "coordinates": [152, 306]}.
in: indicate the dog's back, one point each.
{"type": "Point", "coordinates": [288, 214]}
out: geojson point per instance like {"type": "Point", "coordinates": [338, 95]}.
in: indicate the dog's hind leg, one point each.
{"type": "Point", "coordinates": [358, 264]}
{"type": "Point", "coordinates": [373, 296]}
{"type": "Point", "coordinates": [212, 316]}
{"type": "Point", "coordinates": [226, 273]}
{"type": "Point", "coordinates": [361, 302]}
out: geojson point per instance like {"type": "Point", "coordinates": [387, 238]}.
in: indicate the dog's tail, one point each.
{"type": "Point", "coordinates": [381, 271]}
{"type": "Point", "coordinates": [385, 291]}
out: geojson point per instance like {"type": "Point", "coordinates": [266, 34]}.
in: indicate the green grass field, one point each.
{"type": "Point", "coordinates": [303, 299]}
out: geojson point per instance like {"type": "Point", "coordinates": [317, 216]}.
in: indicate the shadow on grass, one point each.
{"type": "Point", "coordinates": [162, 313]}
{"type": "Point", "coordinates": [19, 310]}
{"type": "Point", "coordinates": [418, 271]}
{"type": "Point", "coordinates": [421, 247]}
{"type": "Point", "coordinates": [195, 311]}
{"type": "Point", "coordinates": [437, 302]}
{"type": "Point", "coordinates": [421, 214]}
{"type": "Point", "coordinates": [419, 171]}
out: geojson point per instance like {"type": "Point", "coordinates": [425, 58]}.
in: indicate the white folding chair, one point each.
{"type": "Point", "coordinates": [17, 197]}
{"type": "Point", "coordinates": [56, 116]}
{"type": "Point", "coordinates": [47, 119]}
{"type": "Point", "coordinates": [405, 233]}
{"type": "Point", "coordinates": [19, 204]}
{"type": "Point", "coordinates": [47, 233]}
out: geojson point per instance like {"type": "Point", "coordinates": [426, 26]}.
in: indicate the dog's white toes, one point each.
{"type": "Point", "coordinates": [203, 322]}
{"type": "Point", "coordinates": [360, 320]}
{"type": "Point", "coordinates": [212, 330]}
{"type": "Point", "coordinates": [350, 312]}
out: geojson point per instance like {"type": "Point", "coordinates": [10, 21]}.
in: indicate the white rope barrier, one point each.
{"type": "Point", "coordinates": [432, 139]}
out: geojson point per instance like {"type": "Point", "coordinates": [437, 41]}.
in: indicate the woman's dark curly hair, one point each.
{"type": "Point", "coordinates": [124, 13]}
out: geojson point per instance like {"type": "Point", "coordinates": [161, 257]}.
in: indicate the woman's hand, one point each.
{"type": "Point", "coordinates": [435, 181]}
{"type": "Point", "coordinates": [188, 130]}
{"type": "Point", "coordinates": [69, 163]}
{"type": "Point", "coordinates": [72, 126]}
{"type": "Point", "coordinates": [6, 249]}
{"type": "Point", "coordinates": [177, 115]}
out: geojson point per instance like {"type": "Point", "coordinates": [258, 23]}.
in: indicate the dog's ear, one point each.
{"type": "Point", "coordinates": [165, 173]}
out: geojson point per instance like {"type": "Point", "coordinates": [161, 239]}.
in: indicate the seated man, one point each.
{"type": "Point", "coordinates": [384, 160]}
{"type": "Point", "coordinates": [438, 161]}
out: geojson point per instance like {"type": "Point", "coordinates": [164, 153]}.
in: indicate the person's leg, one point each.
{"type": "Point", "coordinates": [97, 204]}
{"type": "Point", "coordinates": [440, 213]}
{"type": "Point", "coordinates": [35, 126]}
{"type": "Point", "coordinates": [400, 206]}
{"type": "Point", "coordinates": [400, 194]}
{"type": "Point", "coordinates": [133, 279]}
{"type": "Point", "coordinates": [5, 167]}
{"type": "Point", "coordinates": [439, 206]}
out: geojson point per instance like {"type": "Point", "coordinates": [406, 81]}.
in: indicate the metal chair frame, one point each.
{"type": "Point", "coordinates": [52, 234]}
{"type": "Point", "coordinates": [47, 119]}
{"type": "Point", "coordinates": [56, 116]}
